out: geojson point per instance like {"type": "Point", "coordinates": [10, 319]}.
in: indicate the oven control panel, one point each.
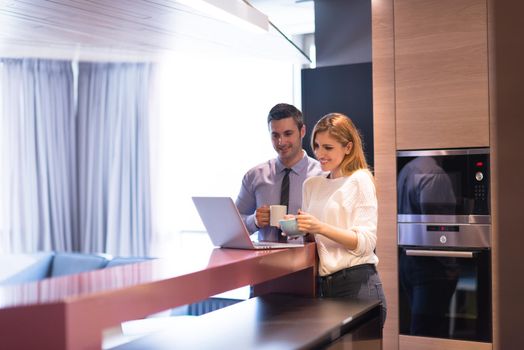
{"type": "Point", "coordinates": [445, 235]}
{"type": "Point", "coordinates": [480, 184]}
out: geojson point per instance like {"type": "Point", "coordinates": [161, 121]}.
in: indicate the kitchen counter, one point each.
{"type": "Point", "coordinates": [70, 312]}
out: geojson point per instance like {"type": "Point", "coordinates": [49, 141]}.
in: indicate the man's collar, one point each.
{"type": "Point", "coordinates": [299, 166]}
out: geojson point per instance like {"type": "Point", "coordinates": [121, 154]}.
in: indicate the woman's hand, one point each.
{"type": "Point", "coordinates": [308, 223]}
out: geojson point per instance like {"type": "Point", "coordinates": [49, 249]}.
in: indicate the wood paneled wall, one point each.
{"type": "Point", "coordinates": [441, 73]}
{"type": "Point", "coordinates": [507, 106]}
{"type": "Point", "coordinates": [384, 139]}
{"type": "Point", "coordinates": [493, 180]}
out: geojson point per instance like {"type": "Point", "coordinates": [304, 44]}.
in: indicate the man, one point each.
{"type": "Point", "coordinates": [261, 186]}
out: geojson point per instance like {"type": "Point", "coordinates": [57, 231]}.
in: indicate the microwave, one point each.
{"type": "Point", "coordinates": [444, 186]}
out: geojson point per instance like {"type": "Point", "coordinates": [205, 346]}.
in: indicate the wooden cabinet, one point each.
{"type": "Point", "coordinates": [422, 343]}
{"type": "Point", "coordinates": [441, 73]}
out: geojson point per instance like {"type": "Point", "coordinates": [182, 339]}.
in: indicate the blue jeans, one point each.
{"type": "Point", "coordinates": [360, 282]}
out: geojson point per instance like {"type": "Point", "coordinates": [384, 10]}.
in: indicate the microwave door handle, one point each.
{"type": "Point", "coordinates": [440, 253]}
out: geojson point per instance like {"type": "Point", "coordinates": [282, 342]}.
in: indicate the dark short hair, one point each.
{"type": "Point", "coordinates": [284, 110]}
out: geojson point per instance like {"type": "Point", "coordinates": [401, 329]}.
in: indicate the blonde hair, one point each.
{"type": "Point", "coordinates": [342, 129]}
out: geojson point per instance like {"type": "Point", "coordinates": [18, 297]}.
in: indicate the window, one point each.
{"type": "Point", "coordinates": [211, 129]}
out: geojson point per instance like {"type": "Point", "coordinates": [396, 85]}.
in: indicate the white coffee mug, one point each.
{"type": "Point", "coordinates": [276, 213]}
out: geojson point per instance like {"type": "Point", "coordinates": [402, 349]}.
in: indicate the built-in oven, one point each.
{"type": "Point", "coordinates": [444, 244]}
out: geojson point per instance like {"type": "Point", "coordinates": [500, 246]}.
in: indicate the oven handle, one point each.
{"type": "Point", "coordinates": [440, 253]}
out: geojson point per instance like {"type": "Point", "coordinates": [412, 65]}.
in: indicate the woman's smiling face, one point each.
{"type": "Point", "coordinates": [330, 153]}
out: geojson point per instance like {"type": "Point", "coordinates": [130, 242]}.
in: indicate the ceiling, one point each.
{"type": "Point", "coordinates": [291, 16]}
{"type": "Point", "coordinates": [141, 29]}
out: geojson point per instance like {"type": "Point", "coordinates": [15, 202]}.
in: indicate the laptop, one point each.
{"type": "Point", "coordinates": [226, 228]}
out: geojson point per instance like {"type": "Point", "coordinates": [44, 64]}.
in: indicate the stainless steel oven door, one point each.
{"type": "Point", "coordinates": [445, 293]}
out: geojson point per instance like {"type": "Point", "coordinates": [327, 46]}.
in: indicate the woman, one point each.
{"type": "Point", "coordinates": [340, 210]}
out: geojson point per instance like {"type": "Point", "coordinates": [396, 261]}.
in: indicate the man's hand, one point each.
{"type": "Point", "coordinates": [262, 216]}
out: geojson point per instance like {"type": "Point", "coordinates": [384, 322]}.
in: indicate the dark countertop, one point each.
{"type": "Point", "coordinates": [274, 321]}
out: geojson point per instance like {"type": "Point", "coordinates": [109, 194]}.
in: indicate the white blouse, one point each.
{"type": "Point", "coordinates": [347, 202]}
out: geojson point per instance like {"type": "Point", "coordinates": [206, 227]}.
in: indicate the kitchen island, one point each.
{"type": "Point", "coordinates": [70, 312]}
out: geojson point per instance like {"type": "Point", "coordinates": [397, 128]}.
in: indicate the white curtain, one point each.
{"type": "Point", "coordinates": [37, 156]}
{"type": "Point", "coordinates": [113, 158]}
{"type": "Point", "coordinates": [74, 179]}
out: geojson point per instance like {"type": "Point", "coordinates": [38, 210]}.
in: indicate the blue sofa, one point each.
{"type": "Point", "coordinates": [21, 268]}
